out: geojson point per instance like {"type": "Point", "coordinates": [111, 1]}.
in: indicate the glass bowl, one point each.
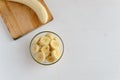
{"type": "Point", "coordinates": [40, 34]}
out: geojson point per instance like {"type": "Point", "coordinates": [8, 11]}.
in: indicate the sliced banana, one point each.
{"type": "Point", "coordinates": [50, 59]}
{"type": "Point", "coordinates": [50, 35]}
{"type": "Point", "coordinates": [58, 53]}
{"type": "Point", "coordinates": [44, 41]}
{"type": "Point", "coordinates": [54, 44]}
{"type": "Point", "coordinates": [36, 40]}
{"type": "Point", "coordinates": [45, 49]}
{"type": "Point", "coordinates": [40, 57]}
{"type": "Point", "coordinates": [35, 48]}
{"type": "Point", "coordinates": [55, 54]}
{"type": "Point", "coordinates": [39, 9]}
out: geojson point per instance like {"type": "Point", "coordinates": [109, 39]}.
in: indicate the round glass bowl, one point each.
{"type": "Point", "coordinates": [61, 46]}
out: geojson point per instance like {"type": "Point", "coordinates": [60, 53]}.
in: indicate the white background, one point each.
{"type": "Point", "coordinates": [90, 30]}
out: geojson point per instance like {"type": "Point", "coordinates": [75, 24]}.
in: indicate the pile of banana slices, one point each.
{"type": "Point", "coordinates": [45, 48]}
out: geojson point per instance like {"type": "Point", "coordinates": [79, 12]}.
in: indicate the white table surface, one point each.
{"type": "Point", "coordinates": [90, 30]}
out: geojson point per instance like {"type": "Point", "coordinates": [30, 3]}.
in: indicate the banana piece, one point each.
{"type": "Point", "coordinates": [36, 6]}
{"type": "Point", "coordinates": [36, 40]}
{"type": "Point", "coordinates": [55, 54]}
{"type": "Point", "coordinates": [50, 35]}
{"type": "Point", "coordinates": [54, 44]}
{"type": "Point", "coordinates": [44, 41]}
{"type": "Point", "coordinates": [45, 49]}
{"type": "Point", "coordinates": [35, 48]}
{"type": "Point", "coordinates": [40, 57]}
{"type": "Point", "coordinates": [50, 59]}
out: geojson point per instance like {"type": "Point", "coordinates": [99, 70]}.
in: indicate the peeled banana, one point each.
{"type": "Point", "coordinates": [36, 6]}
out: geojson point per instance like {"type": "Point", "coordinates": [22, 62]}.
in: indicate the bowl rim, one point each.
{"type": "Point", "coordinates": [47, 32]}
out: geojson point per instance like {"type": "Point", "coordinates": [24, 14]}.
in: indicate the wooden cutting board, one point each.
{"type": "Point", "coordinates": [19, 18]}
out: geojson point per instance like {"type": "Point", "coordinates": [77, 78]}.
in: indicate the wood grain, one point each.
{"type": "Point", "coordinates": [19, 18]}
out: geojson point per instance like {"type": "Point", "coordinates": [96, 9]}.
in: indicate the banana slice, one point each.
{"type": "Point", "coordinates": [40, 57]}
{"type": "Point", "coordinates": [50, 35]}
{"type": "Point", "coordinates": [44, 41]}
{"type": "Point", "coordinates": [37, 7]}
{"type": "Point", "coordinates": [36, 40]}
{"type": "Point", "coordinates": [54, 44]}
{"type": "Point", "coordinates": [55, 54]}
{"type": "Point", "coordinates": [50, 59]}
{"type": "Point", "coordinates": [45, 49]}
{"type": "Point", "coordinates": [35, 48]}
